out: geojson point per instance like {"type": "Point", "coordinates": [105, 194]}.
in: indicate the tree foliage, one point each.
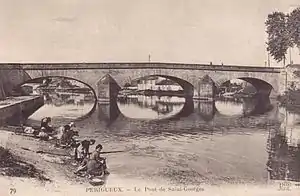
{"type": "Point", "coordinates": [293, 26]}
{"type": "Point", "coordinates": [278, 35]}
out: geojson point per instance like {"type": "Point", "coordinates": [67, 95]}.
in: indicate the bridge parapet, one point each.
{"type": "Point", "coordinates": [154, 65]}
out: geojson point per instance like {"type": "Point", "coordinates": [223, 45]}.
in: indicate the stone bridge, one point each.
{"type": "Point", "coordinates": [190, 76]}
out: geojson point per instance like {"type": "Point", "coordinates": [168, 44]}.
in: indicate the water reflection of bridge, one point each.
{"type": "Point", "coordinates": [162, 105]}
{"type": "Point", "coordinates": [194, 113]}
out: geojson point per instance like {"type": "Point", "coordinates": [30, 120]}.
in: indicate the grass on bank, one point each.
{"type": "Point", "coordinates": [11, 165]}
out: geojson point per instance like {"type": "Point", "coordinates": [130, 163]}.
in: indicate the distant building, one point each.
{"type": "Point", "coordinates": [147, 83]}
{"type": "Point", "coordinates": [167, 85]}
{"type": "Point", "coordinates": [158, 84]}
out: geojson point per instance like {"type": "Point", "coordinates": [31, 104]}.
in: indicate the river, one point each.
{"type": "Point", "coordinates": [180, 141]}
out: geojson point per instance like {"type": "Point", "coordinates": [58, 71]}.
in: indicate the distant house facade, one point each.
{"type": "Point", "coordinates": [157, 84]}
{"type": "Point", "coordinates": [146, 83]}
{"type": "Point", "coordinates": [167, 85]}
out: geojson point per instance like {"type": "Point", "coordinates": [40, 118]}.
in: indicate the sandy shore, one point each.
{"type": "Point", "coordinates": [56, 168]}
{"type": "Point", "coordinates": [64, 182]}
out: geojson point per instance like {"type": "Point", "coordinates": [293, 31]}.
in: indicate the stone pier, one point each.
{"type": "Point", "coordinates": [205, 89]}
{"type": "Point", "coordinates": [107, 89]}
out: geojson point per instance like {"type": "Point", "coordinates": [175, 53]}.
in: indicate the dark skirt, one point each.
{"type": "Point", "coordinates": [93, 167]}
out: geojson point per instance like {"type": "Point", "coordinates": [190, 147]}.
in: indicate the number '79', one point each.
{"type": "Point", "coordinates": [12, 191]}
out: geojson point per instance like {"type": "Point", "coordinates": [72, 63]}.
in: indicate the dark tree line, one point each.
{"type": "Point", "coordinates": [283, 32]}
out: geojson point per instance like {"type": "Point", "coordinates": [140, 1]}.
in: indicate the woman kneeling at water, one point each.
{"type": "Point", "coordinates": [95, 165]}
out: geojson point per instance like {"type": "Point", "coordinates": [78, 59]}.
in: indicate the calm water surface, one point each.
{"type": "Point", "coordinates": [181, 141]}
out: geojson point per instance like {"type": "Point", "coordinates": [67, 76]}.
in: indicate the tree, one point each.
{"type": "Point", "coordinates": [278, 36]}
{"type": "Point", "coordinates": [293, 26]}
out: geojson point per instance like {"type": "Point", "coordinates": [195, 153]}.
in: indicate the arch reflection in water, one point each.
{"type": "Point", "coordinates": [243, 106]}
{"type": "Point", "coordinates": [229, 107]}
{"type": "Point", "coordinates": [150, 107]}
{"type": "Point", "coordinates": [64, 98]}
{"type": "Point", "coordinates": [154, 107]}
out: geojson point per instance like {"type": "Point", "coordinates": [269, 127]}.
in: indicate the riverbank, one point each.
{"type": "Point", "coordinates": [11, 165]}
{"type": "Point", "coordinates": [48, 173]}
{"type": "Point", "coordinates": [42, 172]}
{"type": "Point", "coordinates": [62, 181]}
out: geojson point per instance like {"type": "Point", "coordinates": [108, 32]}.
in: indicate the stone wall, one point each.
{"type": "Point", "coordinates": [17, 113]}
{"type": "Point", "coordinates": [9, 81]}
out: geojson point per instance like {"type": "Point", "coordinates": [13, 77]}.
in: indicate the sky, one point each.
{"type": "Point", "coordinates": [180, 31]}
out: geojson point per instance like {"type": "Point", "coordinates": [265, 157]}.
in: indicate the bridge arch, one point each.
{"type": "Point", "coordinates": [187, 87]}
{"type": "Point", "coordinates": [69, 78]}
{"type": "Point", "coordinates": [262, 87]}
